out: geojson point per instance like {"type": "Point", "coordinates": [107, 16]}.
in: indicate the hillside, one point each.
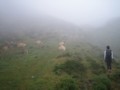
{"type": "Point", "coordinates": [80, 67]}
{"type": "Point", "coordinates": [106, 35]}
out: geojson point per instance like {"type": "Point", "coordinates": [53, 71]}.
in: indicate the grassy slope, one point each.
{"type": "Point", "coordinates": [35, 70]}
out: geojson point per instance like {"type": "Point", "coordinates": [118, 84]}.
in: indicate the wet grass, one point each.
{"type": "Point", "coordinates": [35, 70]}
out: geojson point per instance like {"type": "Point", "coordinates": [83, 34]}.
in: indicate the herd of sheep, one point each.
{"type": "Point", "coordinates": [23, 46]}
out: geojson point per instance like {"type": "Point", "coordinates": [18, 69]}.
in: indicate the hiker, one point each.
{"type": "Point", "coordinates": [108, 56]}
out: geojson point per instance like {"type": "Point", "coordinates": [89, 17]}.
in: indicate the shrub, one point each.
{"type": "Point", "coordinates": [71, 67]}
{"type": "Point", "coordinates": [100, 86]}
{"type": "Point", "coordinates": [116, 76]}
{"type": "Point", "coordinates": [96, 68]}
{"type": "Point", "coordinates": [67, 84]}
{"type": "Point", "coordinates": [101, 82]}
{"type": "Point", "coordinates": [116, 64]}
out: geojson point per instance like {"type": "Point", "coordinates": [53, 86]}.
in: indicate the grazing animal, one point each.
{"type": "Point", "coordinates": [5, 48]}
{"type": "Point", "coordinates": [39, 43]}
{"type": "Point", "coordinates": [22, 46]}
{"type": "Point", "coordinates": [62, 48]}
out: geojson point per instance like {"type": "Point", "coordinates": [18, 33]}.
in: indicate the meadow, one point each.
{"type": "Point", "coordinates": [80, 67]}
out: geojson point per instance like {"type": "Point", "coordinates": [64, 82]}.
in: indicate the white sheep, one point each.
{"type": "Point", "coordinates": [62, 48]}
{"type": "Point", "coordinates": [5, 48]}
{"type": "Point", "coordinates": [39, 43]}
{"type": "Point", "coordinates": [22, 46]}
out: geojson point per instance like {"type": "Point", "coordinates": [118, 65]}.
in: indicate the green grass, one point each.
{"type": "Point", "coordinates": [34, 71]}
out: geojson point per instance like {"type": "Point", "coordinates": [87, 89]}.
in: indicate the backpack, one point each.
{"type": "Point", "coordinates": [108, 54]}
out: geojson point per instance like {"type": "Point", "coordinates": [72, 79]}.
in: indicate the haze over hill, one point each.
{"type": "Point", "coordinates": [84, 27]}
{"type": "Point", "coordinates": [79, 12]}
{"type": "Point", "coordinates": [46, 68]}
{"type": "Point", "coordinates": [45, 25]}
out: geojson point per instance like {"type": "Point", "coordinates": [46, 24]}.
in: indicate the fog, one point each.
{"type": "Point", "coordinates": [79, 12]}
{"type": "Point", "coordinates": [59, 44]}
{"type": "Point", "coordinates": [93, 21]}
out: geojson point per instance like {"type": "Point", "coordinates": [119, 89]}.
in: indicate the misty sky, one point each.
{"type": "Point", "coordinates": [80, 12]}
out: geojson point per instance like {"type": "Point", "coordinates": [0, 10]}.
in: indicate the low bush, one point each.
{"type": "Point", "coordinates": [101, 82]}
{"type": "Point", "coordinates": [67, 84]}
{"type": "Point", "coordinates": [71, 67]}
{"type": "Point", "coordinates": [116, 77]}
{"type": "Point", "coordinates": [96, 68]}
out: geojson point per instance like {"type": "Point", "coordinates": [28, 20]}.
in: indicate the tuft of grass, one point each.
{"type": "Point", "coordinates": [64, 55]}
{"type": "Point", "coordinates": [67, 84]}
{"type": "Point", "coordinates": [115, 77]}
{"type": "Point", "coordinates": [71, 67]}
{"type": "Point", "coordinates": [101, 82]}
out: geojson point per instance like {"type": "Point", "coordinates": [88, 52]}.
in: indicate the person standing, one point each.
{"type": "Point", "coordinates": [108, 56]}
